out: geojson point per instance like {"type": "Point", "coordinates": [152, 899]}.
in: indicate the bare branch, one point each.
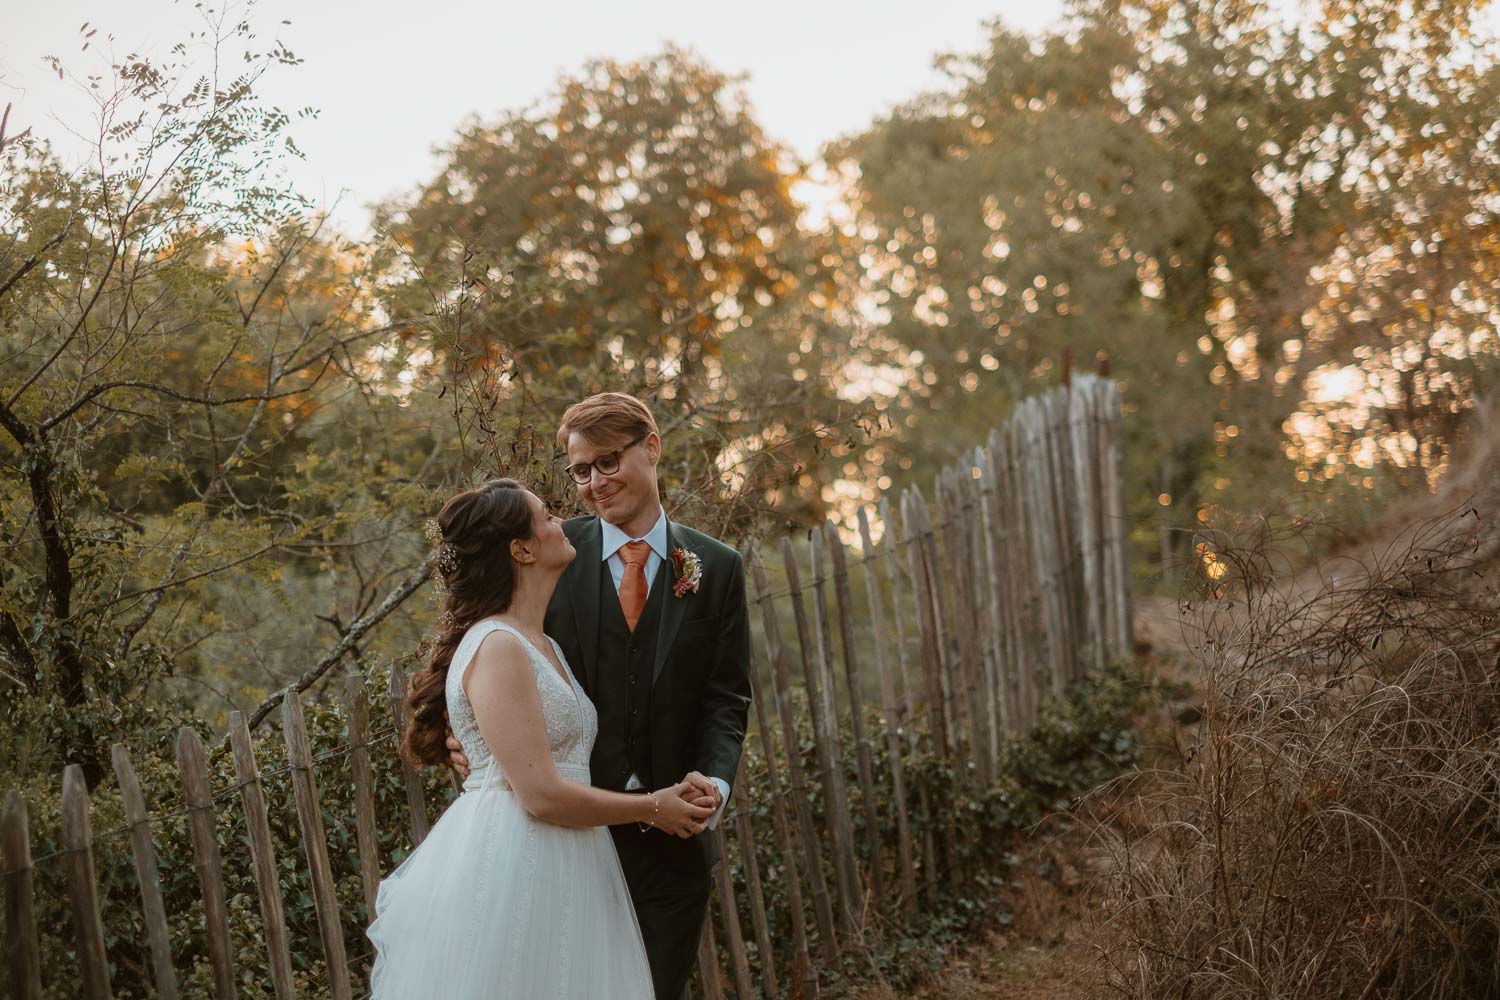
{"type": "Point", "coordinates": [356, 631]}
{"type": "Point", "coordinates": [36, 258]}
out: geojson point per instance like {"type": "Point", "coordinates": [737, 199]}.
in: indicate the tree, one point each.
{"type": "Point", "coordinates": [176, 331]}
{"type": "Point", "coordinates": [1224, 203]}
{"type": "Point", "coordinates": [634, 230]}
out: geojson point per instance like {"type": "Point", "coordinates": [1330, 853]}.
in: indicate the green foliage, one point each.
{"type": "Point", "coordinates": [635, 230]}
{"type": "Point", "coordinates": [222, 427]}
{"type": "Point", "coordinates": [1079, 742]}
{"type": "Point", "coordinates": [1076, 744]}
{"type": "Point", "coordinates": [1233, 208]}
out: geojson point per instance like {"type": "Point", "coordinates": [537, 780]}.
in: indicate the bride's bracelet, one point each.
{"type": "Point", "coordinates": [655, 812]}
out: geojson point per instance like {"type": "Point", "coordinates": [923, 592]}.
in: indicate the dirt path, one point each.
{"type": "Point", "coordinates": [1048, 952]}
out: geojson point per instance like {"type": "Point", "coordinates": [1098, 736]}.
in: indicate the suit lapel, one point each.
{"type": "Point", "coordinates": [673, 608]}
{"type": "Point", "coordinates": [585, 592]}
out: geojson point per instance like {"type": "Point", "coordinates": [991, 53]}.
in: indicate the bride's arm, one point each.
{"type": "Point", "coordinates": [502, 690]}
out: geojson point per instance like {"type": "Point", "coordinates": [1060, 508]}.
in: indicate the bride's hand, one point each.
{"type": "Point", "coordinates": [457, 759]}
{"type": "Point", "coordinates": [677, 811]}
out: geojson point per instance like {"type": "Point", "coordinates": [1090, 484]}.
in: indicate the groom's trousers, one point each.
{"type": "Point", "coordinates": [669, 880]}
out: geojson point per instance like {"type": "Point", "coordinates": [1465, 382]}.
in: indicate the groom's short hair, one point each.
{"type": "Point", "coordinates": [605, 416]}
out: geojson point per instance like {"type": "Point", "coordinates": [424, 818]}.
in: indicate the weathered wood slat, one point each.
{"type": "Point", "coordinates": [801, 816]}
{"type": "Point", "coordinates": [357, 709]}
{"type": "Point", "coordinates": [23, 962]}
{"type": "Point", "coordinates": [1123, 630]}
{"type": "Point", "coordinates": [919, 528]}
{"type": "Point", "coordinates": [996, 627]}
{"type": "Point", "coordinates": [198, 795]}
{"type": "Point", "coordinates": [892, 556]}
{"type": "Point", "coordinates": [1032, 656]}
{"type": "Point", "coordinates": [866, 770]}
{"type": "Point", "coordinates": [315, 844]}
{"type": "Point", "coordinates": [924, 797]}
{"type": "Point", "coordinates": [924, 570]}
{"type": "Point", "coordinates": [416, 803]}
{"type": "Point", "coordinates": [1082, 430]}
{"type": "Point", "coordinates": [83, 885]}
{"type": "Point", "coordinates": [817, 656]}
{"type": "Point", "coordinates": [878, 620]}
{"type": "Point", "coordinates": [262, 857]}
{"type": "Point", "coordinates": [744, 836]}
{"type": "Point", "coordinates": [729, 911]}
{"type": "Point", "coordinates": [708, 962]}
{"type": "Point", "coordinates": [986, 629]}
{"type": "Point", "coordinates": [153, 910]}
{"type": "Point", "coordinates": [802, 971]}
{"type": "Point", "coordinates": [968, 673]}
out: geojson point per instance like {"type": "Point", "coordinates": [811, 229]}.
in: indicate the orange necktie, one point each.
{"type": "Point", "coordinates": [633, 584]}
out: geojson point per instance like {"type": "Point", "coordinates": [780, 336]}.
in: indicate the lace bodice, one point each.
{"type": "Point", "coordinates": [569, 714]}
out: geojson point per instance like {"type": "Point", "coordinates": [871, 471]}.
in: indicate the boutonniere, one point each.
{"type": "Point", "coordinates": [689, 570]}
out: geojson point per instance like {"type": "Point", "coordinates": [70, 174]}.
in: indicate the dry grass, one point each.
{"type": "Point", "coordinates": [1334, 830]}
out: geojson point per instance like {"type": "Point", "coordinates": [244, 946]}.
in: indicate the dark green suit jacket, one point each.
{"type": "Point", "coordinates": [700, 692]}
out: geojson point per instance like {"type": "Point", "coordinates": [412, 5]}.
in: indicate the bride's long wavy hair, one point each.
{"type": "Point", "coordinates": [479, 580]}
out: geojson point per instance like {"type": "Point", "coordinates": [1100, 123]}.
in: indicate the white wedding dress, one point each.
{"type": "Point", "coordinates": [495, 904]}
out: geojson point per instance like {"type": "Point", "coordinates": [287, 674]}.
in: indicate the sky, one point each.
{"type": "Point", "coordinates": [391, 79]}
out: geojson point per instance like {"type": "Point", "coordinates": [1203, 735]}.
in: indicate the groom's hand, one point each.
{"type": "Point", "coordinates": [457, 759]}
{"type": "Point", "coordinates": [708, 792]}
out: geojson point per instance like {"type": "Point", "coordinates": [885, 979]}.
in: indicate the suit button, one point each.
{"type": "Point", "coordinates": [632, 680]}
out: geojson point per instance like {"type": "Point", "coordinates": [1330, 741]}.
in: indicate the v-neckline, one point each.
{"type": "Point", "coordinates": [561, 672]}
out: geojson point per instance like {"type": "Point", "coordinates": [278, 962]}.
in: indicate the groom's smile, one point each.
{"type": "Point", "coordinates": [617, 478]}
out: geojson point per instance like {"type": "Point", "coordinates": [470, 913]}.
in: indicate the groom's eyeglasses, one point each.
{"type": "Point", "coordinates": [607, 464]}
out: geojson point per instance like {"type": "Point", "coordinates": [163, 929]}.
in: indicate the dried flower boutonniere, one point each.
{"type": "Point", "coordinates": [689, 570]}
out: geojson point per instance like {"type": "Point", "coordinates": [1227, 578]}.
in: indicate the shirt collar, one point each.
{"type": "Point", "coordinates": [612, 539]}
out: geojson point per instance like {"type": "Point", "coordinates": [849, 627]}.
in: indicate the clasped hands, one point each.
{"type": "Point", "coordinates": [683, 809]}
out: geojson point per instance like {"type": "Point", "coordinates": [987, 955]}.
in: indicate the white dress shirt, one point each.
{"type": "Point", "coordinates": [612, 540]}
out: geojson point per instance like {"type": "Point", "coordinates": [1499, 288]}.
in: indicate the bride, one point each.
{"type": "Point", "coordinates": [517, 891]}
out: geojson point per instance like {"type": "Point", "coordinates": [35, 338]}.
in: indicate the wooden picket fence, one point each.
{"type": "Point", "coordinates": [976, 612]}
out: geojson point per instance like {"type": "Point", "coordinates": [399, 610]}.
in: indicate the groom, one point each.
{"type": "Point", "coordinates": [652, 618]}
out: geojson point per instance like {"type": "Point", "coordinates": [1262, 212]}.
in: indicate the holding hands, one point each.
{"type": "Point", "coordinates": [686, 807]}
{"type": "Point", "coordinates": [683, 809]}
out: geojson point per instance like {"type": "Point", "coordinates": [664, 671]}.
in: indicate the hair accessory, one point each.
{"type": "Point", "coordinates": [447, 558]}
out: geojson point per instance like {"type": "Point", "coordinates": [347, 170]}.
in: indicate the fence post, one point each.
{"type": "Point", "coordinates": [924, 568]}
{"type": "Point", "coordinates": [802, 972]}
{"type": "Point", "coordinates": [1002, 719]}
{"type": "Point", "coordinates": [315, 844]}
{"type": "Point", "coordinates": [891, 720]}
{"type": "Point", "coordinates": [744, 837]}
{"type": "Point", "coordinates": [801, 814]}
{"type": "Point", "coordinates": [1123, 631]}
{"type": "Point", "coordinates": [816, 656]}
{"type": "Point", "coordinates": [262, 857]}
{"type": "Point", "coordinates": [856, 706]}
{"type": "Point", "coordinates": [357, 708]}
{"type": "Point", "coordinates": [734, 936]}
{"type": "Point", "coordinates": [919, 532]}
{"type": "Point", "coordinates": [708, 961]}
{"type": "Point", "coordinates": [982, 611]}
{"type": "Point", "coordinates": [22, 955]}
{"type": "Point", "coordinates": [195, 789]}
{"type": "Point", "coordinates": [416, 804]}
{"type": "Point", "coordinates": [909, 719]}
{"type": "Point", "coordinates": [1082, 430]}
{"type": "Point", "coordinates": [958, 542]}
{"type": "Point", "coordinates": [83, 886]}
{"type": "Point", "coordinates": [153, 910]}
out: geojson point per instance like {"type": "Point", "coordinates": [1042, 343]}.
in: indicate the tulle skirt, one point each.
{"type": "Point", "coordinates": [500, 906]}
